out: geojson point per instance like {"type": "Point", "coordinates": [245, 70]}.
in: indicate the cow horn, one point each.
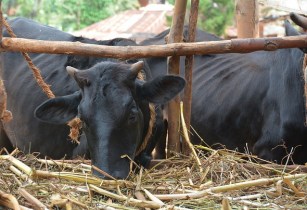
{"type": "Point", "coordinates": [71, 70]}
{"type": "Point", "coordinates": [136, 68]}
{"type": "Point", "coordinates": [299, 20]}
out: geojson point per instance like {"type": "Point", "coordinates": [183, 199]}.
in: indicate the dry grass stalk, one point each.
{"type": "Point", "coordinates": [70, 200]}
{"type": "Point", "coordinates": [140, 196]}
{"type": "Point", "coordinates": [236, 186]}
{"type": "Point", "coordinates": [9, 201]}
{"type": "Point", "coordinates": [153, 198]}
{"type": "Point", "coordinates": [169, 207]}
{"type": "Point", "coordinates": [187, 139]}
{"type": "Point", "coordinates": [132, 201]}
{"type": "Point", "coordinates": [37, 205]}
{"type": "Point", "coordinates": [26, 169]}
{"type": "Point", "coordinates": [74, 186]}
{"type": "Point", "coordinates": [292, 187]}
{"type": "Point", "coordinates": [21, 175]}
{"type": "Point", "coordinates": [226, 204]}
{"type": "Point", "coordinates": [244, 201]}
{"type": "Point", "coordinates": [81, 178]}
{"type": "Point", "coordinates": [138, 193]}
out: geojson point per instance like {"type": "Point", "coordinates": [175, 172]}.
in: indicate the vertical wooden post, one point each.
{"type": "Point", "coordinates": [247, 18]}
{"type": "Point", "coordinates": [261, 29]}
{"type": "Point", "coordinates": [1, 20]}
{"type": "Point", "coordinates": [187, 96]}
{"type": "Point", "coordinates": [175, 35]}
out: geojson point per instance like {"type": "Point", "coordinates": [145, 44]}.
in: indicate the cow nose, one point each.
{"type": "Point", "coordinates": [110, 176]}
{"type": "Point", "coordinates": [119, 175]}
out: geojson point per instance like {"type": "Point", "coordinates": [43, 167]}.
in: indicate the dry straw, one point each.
{"type": "Point", "coordinates": [226, 181]}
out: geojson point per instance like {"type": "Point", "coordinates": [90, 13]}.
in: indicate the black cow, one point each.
{"type": "Point", "coordinates": [107, 96]}
{"type": "Point", "coordinates": [251, 101]}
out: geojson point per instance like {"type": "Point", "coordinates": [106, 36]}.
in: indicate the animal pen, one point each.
{"type": "Point", "coordinates": [215, 179]}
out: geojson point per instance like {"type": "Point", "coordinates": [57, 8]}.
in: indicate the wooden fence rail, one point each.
{"type": "Point", "coordinates": [175, 49]}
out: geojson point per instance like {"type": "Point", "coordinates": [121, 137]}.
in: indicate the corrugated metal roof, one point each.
{"type": "Point", "coordinates": [135, 24]}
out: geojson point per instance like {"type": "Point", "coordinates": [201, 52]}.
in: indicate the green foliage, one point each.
{"type": "Point", "coordinates": [67, 15]}
{"type": "Point", "coordinates": [214, 15]}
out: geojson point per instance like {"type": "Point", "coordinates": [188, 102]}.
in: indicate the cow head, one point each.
{"type": "Point", "coordinates": [109, 103]}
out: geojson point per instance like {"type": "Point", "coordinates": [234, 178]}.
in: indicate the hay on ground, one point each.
{"type": "Point", "coordinates": [228, 180]}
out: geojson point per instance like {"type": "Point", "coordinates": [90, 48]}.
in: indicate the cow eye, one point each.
{"type": "Point", "coordinates": [84, 82]}
{"type": "Point", "coordinates": [133, 115]}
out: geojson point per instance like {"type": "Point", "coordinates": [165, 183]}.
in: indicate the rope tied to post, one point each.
{"type": "Point", "coordinates": [152, 121]}
{"type": "Point", "coordinates": [74, 124]}
{"type": "Point", "coordinates": [5, 115]}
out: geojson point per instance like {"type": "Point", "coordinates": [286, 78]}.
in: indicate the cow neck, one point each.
{"type": "Point", "coordinates": [151, 122]}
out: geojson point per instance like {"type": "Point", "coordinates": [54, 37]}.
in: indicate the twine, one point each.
{"type": "Point", "coordinates": [5, 115]}
{"type": "Point", "coordinates": [150, 126]}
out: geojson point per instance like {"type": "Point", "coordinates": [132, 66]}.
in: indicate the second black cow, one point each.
{"type": "Point", "coordinates": [247, 102]}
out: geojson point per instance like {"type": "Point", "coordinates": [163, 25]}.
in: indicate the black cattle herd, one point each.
{"type": "Point", "coordinates": [246, 102]}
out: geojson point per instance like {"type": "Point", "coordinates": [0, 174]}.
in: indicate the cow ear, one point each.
{"type": "Point", "coordinates": [161, 89]}
{"type": "Point", "coordinates": [290, 30]}
{"type": "Point", "coordinates": [299, 20]}
{"type": "Point", "coordinates": [59, 110]}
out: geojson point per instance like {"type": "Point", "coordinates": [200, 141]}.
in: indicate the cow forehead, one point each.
{"type": "Point", "coordinates": [108, 69]}
{"type": "Point", "coordinates": [109, 79]}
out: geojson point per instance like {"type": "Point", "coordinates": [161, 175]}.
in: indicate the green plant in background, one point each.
{"type": "Point", "coordinates": [66, 15]}
{"type": "Point", "coordinates": [214, 15]}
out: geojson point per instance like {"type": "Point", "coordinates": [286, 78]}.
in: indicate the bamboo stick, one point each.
{"type": "Point", "coordinates": [187, 94]}
{"type": "Point", "coordinates": [173, 67]}
{"type": "Point", "coordinates": [175, 49]}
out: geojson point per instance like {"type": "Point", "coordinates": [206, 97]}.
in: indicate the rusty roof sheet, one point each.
{"type": "Point", "coordinates": [135, 24]}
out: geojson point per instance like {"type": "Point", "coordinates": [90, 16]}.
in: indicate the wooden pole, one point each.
{"type": "Point", "coordinates": [175, 35]}
{"type": "Point", "coordinates": [187, 95]}
{"type": "Point", "coordinates": [247, 18]}
{"type": "Point", "coordinates": [175, 49]}
{"type": "Point", "coordinates": [1, 20]}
